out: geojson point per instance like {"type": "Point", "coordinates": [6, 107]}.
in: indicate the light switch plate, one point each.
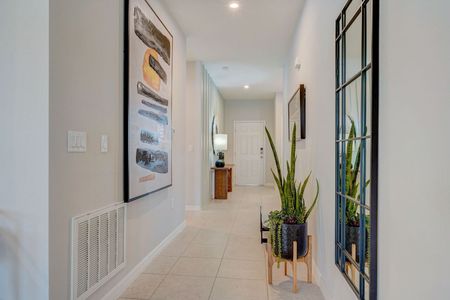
{"type": "Point", "coordinates": [104, 143]}
{"type": "Point", "coordinates": [76, 141]}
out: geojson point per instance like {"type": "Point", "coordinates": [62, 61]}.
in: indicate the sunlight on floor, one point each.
{"type": "Point", "coordinates": [219, 256]}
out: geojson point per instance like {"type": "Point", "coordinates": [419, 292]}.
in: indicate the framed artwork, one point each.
{"type": "Point", "coordinates": [148, 101]}
{"type": "Point", "coordinates": [297, 113]}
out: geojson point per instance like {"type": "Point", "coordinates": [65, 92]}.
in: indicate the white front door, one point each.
{"type": "Point", "coordinates": [249, 152]}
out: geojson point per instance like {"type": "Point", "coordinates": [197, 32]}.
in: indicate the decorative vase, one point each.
{"type": "Point", "coordinates": [220, 163]}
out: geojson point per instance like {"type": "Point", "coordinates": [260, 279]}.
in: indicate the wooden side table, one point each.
{"type": "Point", "coordinates": [220, 183]}
{"type": "Point", "coordinates": [230, 176]}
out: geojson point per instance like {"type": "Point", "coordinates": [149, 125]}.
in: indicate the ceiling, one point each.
{"type": "Point", "coordinates": [252, 41]}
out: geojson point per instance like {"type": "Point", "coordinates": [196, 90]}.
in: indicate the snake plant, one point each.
{"type": "Point", "coordinates": [293, 205]}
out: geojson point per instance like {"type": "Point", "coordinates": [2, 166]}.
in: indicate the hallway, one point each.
{"type": "Point", "coordinates": [218, 256]}
{"type": "Point", "coordinates": [122, 120]}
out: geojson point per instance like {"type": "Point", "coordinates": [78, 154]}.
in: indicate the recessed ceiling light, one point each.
{"type": "Point", "coordinates": [246, 86]}
{"type": "Point", "coordinates": [234, 5]}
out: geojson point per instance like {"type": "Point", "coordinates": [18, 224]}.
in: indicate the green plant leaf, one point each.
{"type": "Point", "coordinates": [278, 183]}
{"type": "Point", "coordinates": [355, 172]}
{"type": "Point", "coordinates": [293, 148]}
{"type": "Point", "coordinates": [293, 207]}
{"type": "Point", "coordinates": [305, 183]}
{"type": "Point", "coordinates": [314, 202]}
{"type": "Point", "coordinates": [349, 156]}
{"type": "Point", "coordinates": [275, 156]}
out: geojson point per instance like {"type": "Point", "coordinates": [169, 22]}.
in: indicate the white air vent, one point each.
{"type": "Point", "coordinates": [98, 249]}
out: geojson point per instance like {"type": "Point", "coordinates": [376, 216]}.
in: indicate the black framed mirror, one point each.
{"type": "Point", "coordinates": [356, 147]}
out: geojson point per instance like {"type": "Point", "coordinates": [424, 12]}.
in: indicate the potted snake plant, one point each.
{"type": "Point", "coordinates": [290, 223]}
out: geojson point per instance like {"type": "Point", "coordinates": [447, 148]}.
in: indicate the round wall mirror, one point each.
{"type": "Point", "coordinates": [214, 131]}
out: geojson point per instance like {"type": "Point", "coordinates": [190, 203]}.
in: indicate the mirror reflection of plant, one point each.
{"type": "Point", "coordinates": [352, 185]}
{"type": "Point", "coordinates": [368, 241]}
{"type": "Point", "coordinates": [293, 205]}
{"type": "Point", "coordinates": [352, 171]}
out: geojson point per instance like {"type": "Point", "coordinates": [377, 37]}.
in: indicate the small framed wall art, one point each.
{"type": "Point", "coordinates": [297, 113]}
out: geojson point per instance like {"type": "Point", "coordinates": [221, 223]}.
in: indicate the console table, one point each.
{"type": "Point", "coordinates": [223, 181]}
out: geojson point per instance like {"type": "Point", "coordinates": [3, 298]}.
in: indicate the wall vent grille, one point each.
{"type": "Point", "coordinates": [98, 249]}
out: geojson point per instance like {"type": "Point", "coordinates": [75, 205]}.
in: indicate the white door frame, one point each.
{"type": "Point", "coordinates": [263, 123]}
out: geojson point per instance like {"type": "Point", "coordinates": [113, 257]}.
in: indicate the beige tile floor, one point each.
{"type": "Point", "coordinates": [219, 257]}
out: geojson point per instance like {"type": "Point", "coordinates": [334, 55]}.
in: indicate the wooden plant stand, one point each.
{"type": "Point", "coordinates": [307, 259]}
{"type": "Point", "coordinates": [349, 267]}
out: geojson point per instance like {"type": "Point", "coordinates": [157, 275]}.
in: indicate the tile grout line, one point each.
{"type": "Point", "coordinates": [220, 264]}
{"type": "Point", "coordinates": [171, 268]}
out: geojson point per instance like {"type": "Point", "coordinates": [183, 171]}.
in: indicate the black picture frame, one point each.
{"type": "Point", "coordinates": [297, 113]}
{"type": "Point", "coordinates": [126, 101]}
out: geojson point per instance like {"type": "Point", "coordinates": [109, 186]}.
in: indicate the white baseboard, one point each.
{"type": "Point", "coordinates": [193, 207]}
{"type": "Point", "coordinates": [126, 281]}
{"type": "Point", "coordinates": [317, 279]}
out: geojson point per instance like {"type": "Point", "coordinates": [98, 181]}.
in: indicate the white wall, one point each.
{"type": "Point", "coordinates": [24, 149]}
{"type": "Point", "coordinates": [314, 45]}
{"type": "Point", "coordinates": [250, 110]}
{"type": "Point", "coordinates": [414, 187]}
{"type": "Point", "coordinates": [216, 106]}
{"type": "Point", "coordinates": [86, 71]}
{"type": "Point", "coordinates": [414, 191]}
{"type": "Point", "coordinates": [279, 125]}
{"type": "Point", "coordinates": [194, 122]}
{"type": "Point", "coordinates": [203, 102]}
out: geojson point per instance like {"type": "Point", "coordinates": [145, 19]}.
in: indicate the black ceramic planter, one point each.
{"type": "Point", "coordinates": [352, 236]}
{"type": "Point", "coordinates": [289, 234]}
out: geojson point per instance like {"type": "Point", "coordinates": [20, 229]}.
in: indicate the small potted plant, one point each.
{"type": "Point", "coordinates": [290, 223]}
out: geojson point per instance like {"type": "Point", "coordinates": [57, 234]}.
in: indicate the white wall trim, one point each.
{"type": "Point", "coordinates": [318, 280]}
{"type": "Point", "coordinates": [120, 288]}
{"type": "Point", "coordinates": [193, 207]}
